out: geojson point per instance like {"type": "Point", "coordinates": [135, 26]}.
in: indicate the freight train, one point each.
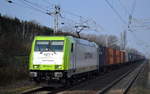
{"type": "Point", "coordinates": [65, 58]}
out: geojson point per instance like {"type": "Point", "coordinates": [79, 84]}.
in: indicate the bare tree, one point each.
{"type": "Point", "coordinates": [112, 41]}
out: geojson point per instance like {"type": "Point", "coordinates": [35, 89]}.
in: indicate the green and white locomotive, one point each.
{"type": "Point", "coordinates": [62, 58]}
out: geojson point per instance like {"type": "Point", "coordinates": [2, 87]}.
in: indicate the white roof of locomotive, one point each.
{"type": "Point", "coordinates": [84, 42]}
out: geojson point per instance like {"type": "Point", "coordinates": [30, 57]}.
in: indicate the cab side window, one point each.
{"type": "Point", "coordinates": [72, 47]}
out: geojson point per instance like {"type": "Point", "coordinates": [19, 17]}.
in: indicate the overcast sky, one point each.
{"type": "Point", "coordinates": [98, 10]}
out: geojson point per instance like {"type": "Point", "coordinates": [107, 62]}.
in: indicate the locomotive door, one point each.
{"type": "Point", "coordinates": [73, 63]}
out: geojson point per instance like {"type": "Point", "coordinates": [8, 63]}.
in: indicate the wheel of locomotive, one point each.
{"type": "Point", "coordinates": [67, 82]}
{"type": "Point", "coordinates": [36, 80]}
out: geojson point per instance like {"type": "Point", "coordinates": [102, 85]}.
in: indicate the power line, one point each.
{"type": "Point", "coordinates": [48, 3]}
{"type": "Point", "coordinates": [131, 14]}
{"type": "Point", "coordinates": [116, 12]}
{"type": "Point", "coordinates": [123, 6]}
{"type": "Point", "coordinates": [36, 7]}
{"type": "Point", "coordinates": [26, 6]}
{"type": "Point", "coordinates": [73, 14]}
{"type": "Point", "coordinates": [133, 7]}
{"type": "Point", "coordinates": [65, 18]}
{"type": "Point", "coordinates": [85, 19]}
{"type": "Point", "coordinates": [140, 24]}
{"type": "Point", "coordinates": [39, 8]}
{"type": "Point", "coordinates": [138, 42]}
{"type": "Point", "coordinates": [132, 32]}
{"type": "Point", "coordinates": [32, 7]}
{"type": "Point", "coordinates": [130, 17]}
{"type": "Point", "coordinates": [78, 16]}
{"type": "Point", "coordinates": [34, 4]}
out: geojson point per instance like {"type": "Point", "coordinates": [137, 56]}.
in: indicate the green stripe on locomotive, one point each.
{"type": "Point", "coordinates": [66, 54]}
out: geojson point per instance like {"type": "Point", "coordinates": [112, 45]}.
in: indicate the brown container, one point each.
{"type": "Point", "coordinates": [115, 57]}
{"type": "Point", "coordinates": [118, 56]}
{"type": "Point", "coordinates": [110, 56]}
{"type": "Point", "coordinates": [122, 58]}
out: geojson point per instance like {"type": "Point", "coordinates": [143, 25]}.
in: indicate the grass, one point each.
{"type": "Point", "coordinates": [16, 90]}
{"type": "Point", "coordinates": [13, 69]}
{"type": "Point", "coordinates": [14, 75]}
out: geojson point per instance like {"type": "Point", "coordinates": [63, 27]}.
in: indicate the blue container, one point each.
{"type": "Point", "coordinates": [102, 56]}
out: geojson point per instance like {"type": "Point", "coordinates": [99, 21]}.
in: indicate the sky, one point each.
{"type": "Point", "coordinates": [107, 20]}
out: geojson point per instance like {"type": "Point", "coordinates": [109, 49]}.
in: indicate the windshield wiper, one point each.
{"type": "Point", "coordinates": [41, 51]}
{"type": "Point", "coordinates": [51, 48]}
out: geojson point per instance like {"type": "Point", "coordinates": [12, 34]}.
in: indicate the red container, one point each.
{"type": "Point", "coordinates": [122, 57]}
{"type": "Point", "coordinates": [110, 56]}
{"type": "Point", "coordinates": [117, 56]}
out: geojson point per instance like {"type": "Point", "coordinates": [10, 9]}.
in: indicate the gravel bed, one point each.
{"type": "Point", "coordinates": [92, 86]}
{"type": "Point", "coordinates": [120, 87]}
{"type": "Point", "coordinates": [141, 85]}
{"type": "Point", "coordinates": [16, 87]}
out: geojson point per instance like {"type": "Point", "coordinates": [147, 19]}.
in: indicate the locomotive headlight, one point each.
{"type": "Point", "coordinates": [35, 66]}
{"type": "Point", "coordinates": [33, 74]}
{"type": "Point", "coordinates": [58, 74]}
{"type": "Point", "coordinates": [58, 66]}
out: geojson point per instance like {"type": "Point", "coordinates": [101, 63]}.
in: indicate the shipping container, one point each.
{"type": "Point", "coordinates": [102, 55]}
{"type": "Point", "coordinates": [115, 57]}
{"type": "Point", "coordinates": [122, 58]}
{"type": "Point", "coordinates": [110, 56]}
{"type": "Point", "coordinates": [118, 56]}
{"type": "Point", "coordinates": [126, 57]}
{"type": "Point", "coordinates": [130, 57]}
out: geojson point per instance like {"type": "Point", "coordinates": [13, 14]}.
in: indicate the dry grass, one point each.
{"type": "Point", "coordinates": [78, 92]}
{"type": "Point", "coordinates": [13, 70]}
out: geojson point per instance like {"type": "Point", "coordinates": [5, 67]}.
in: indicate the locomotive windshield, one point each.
{"type": "Point", "coordinates": [49, 45]}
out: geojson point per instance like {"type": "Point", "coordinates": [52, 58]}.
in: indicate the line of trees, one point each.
{"type": "Point", "coordinates": [104, 40]}
{"type": "Point", "coordinates": [15, 42]}
{"type": "Point", "coordinates": [16, 36]}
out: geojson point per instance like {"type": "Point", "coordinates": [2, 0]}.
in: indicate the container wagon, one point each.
{"type": "Point", "coordinates": [110, 56]}
{"type": "Point", "coordinates": [65, 58]}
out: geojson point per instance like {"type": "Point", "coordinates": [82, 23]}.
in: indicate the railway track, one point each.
{"type": "Point", "coordinates": [37, 90]}
{"type": "Point", "coordinates": [104, 81]}
{"type": "Point", "coordinates": [94, 86]}
{"type": "Point", "coordinates": [44, 90]}
{"type": "Point", "coordinates": [123, 83]}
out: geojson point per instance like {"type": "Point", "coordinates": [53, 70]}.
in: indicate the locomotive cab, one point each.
{"type": "Point", "coordinates": [49, 58]}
